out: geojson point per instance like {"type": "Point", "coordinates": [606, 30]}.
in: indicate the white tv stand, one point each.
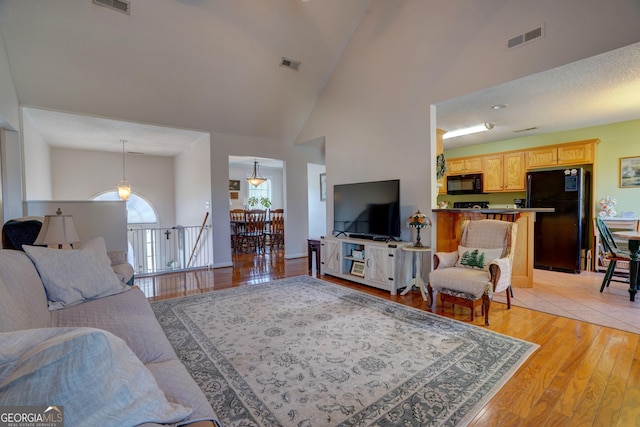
{"type": "Point", "coordinates": [380, 265]}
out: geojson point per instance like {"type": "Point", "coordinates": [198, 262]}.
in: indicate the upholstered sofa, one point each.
{"type": "Point", "coordinates": [72, 334]}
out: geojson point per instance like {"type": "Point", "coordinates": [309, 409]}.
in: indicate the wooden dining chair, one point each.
{"type": "Point", "coordinates": [610, 253]}
{"type": "Point", "coordinates": [237, 227]}
{"type": "Point", "coordinates": [253, 234]}
{"type": "Point", "coordinates": [276, 228]}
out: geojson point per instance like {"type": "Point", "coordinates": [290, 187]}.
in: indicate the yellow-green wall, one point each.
{"type": "Point", "coordinates": [616, 140]}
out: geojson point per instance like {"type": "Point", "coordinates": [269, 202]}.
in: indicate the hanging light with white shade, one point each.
{"type": "Point", "coordinates": [124, 188]}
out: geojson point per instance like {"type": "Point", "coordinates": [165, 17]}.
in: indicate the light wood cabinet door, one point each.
{"type": "Point", "coordinates": [514, 172]}
{"type": "Point", "coordinates": [493, 173]}
{"type": "Point", "coordinates": [542, 157]}
{"type": "Point", "coordinates": [504, 172]}
{"type": "Point", "coordinates": [576, 154]}
{"type": "Point", "coordinates": [464, 165]}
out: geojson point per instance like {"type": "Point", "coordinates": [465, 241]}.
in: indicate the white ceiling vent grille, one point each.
{"type": "Point", "coordinates": [525, 130]}
{"type": "Point", "coordinates": [123, 6]}
{"type": "Point", "coordinates": [526, 37]}
{"type": "Point", "coordinates": [290, 63]}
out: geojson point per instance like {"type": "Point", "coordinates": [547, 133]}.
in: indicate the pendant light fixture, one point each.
{"type": "Point", "coordinates": [256, 179]}
{"type": "Point", "coordinates": [124, 188]}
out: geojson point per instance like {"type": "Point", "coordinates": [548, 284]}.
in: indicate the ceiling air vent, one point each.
{"type": "Point", "coordinates": [526, 37]}
{"type": "Point", "coordinates": [289, 63]}
{"type": "Point", "coordinates": [525, 130]}
{"type": "Point", "coordinates": [123, 6]}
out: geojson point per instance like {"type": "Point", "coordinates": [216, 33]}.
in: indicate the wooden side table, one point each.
{"type": "Point", "coordinates": [313, 245]}
{"type": "Point", "coordinates": [417, 265]}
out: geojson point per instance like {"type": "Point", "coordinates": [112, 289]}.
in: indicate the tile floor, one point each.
{"type": "Point", "coordinates": [578, 296]}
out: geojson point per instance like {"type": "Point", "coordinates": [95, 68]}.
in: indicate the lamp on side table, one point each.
{"type": "Point", "coordinates": [57, 230]}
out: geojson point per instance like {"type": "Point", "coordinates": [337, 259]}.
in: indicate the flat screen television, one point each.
{"type": "Point", "coordinates": [367, 209]}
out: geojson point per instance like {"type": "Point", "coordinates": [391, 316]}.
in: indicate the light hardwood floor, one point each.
{"type": "Point", "coordinates": [583, 373]}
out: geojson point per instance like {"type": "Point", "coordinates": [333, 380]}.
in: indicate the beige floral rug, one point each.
{"type": "Point", "coordinates": [304, 352]}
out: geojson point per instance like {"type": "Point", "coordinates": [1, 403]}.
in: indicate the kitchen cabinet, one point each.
{"type": "Point", "coordinates": [504, 172]}
{"type": "Point", "coordinates": [542, 157]}
{"type": "Point", "coordinates": [464, 165]}
{"type": "Point", "coordinates": [575, 153]}
{"type": "Point", "coordinates": [514, 172]}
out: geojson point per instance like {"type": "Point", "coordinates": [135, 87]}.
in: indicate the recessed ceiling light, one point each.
{"type": "Point", "coordinates": [499, 106]}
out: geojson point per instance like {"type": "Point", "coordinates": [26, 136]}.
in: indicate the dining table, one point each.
{"type": "Point", "coordinates": [633, 238]}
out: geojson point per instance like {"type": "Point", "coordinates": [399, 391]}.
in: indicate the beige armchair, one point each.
{"type": "Point", "coordinates": [481, 266]}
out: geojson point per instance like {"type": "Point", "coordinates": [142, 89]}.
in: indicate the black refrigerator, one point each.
{"type": "Point", "coordinates": [560, 237]}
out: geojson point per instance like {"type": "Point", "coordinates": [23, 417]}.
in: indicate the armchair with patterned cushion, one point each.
{"type": "Point", "coordinates": [481, 267]}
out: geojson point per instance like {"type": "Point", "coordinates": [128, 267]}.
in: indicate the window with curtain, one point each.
{"type": "Point", "coordinates": [262, 190]}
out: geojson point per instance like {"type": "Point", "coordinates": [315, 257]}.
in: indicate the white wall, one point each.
{"type": "Point", "coordinates": [37, 163]}
{"type": "Point", "coordinates": [11, 153]}
{"type": "Point", "coordinates": [83, 174]}
{"type": "Point", "coordinates": [375, 113]}
{"type": "Point", "coordinates": [9, 105]}
{"type": "Point", "coordinates": [317, 207]}
{"type": "Point", "coordinates": [294, 185]}
{"type": "Point", "coordinates": [193, 184]}
{"type": "Point", "coordinates": [193, 197]}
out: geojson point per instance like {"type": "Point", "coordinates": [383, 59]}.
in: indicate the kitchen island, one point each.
{"type": "Point", "coordinates": [448, 235]}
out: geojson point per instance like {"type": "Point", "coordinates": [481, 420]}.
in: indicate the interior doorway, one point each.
{"type": "Point", "coordinates": [266, 194]}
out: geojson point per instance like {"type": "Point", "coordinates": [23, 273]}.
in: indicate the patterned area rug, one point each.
{"type": "Point", "coordinates": [304, 352]}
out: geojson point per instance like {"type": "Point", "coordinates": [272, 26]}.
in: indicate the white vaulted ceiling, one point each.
{"type": "Point", "coordinates": [189, 64]}
{"type": "Point", "coordinates": [175, 70]}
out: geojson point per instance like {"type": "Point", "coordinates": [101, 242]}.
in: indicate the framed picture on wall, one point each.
{"type": "Point", "coordinates": [629, 172]}
{"type": "Point", "coordinates": [234, 185]}
{"type": "Point", "coordinates": [323, 186]}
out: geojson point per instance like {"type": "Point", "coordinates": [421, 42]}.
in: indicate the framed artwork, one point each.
{"type": "Point", "coordinates": [323, 186]}
{"type": "Point", "coordinates": [357, 254]}
{"type": "Point", "coordinates": [357, 269]}
{"type": "Point", "coordinates": [234, 195]}
{"type": "Point", "coordinates": [629, 172]}
{"type": "Point", "coordinates": [234, 185]}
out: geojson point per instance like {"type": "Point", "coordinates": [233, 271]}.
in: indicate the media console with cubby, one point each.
{"type": "Point", "coordinates": [370, 262]}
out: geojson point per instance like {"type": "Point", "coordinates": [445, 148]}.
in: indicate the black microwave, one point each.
{"type": "Point", "coordinates": [464, 184]}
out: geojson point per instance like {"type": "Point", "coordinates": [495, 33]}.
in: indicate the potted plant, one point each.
{"type": "Point", "coordinates": [265, 202]}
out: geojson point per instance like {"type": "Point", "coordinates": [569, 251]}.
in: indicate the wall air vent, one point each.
{"type": "Point", "coordinates": [289, 63]}
{"type": "Point", "coordinates": [123, 6]}
{"type": "Point", "coordinates": [526, 37]}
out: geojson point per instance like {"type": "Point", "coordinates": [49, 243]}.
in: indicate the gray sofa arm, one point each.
{"type": "Point", "coordinates": [121, 267]}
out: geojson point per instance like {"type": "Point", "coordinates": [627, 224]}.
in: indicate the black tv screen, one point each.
{"type": "Point", "coordinates": [367, 208]}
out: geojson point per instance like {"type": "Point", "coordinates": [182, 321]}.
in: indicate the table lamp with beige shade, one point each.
{"type": "Point", "coordinates": [57, 230]}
